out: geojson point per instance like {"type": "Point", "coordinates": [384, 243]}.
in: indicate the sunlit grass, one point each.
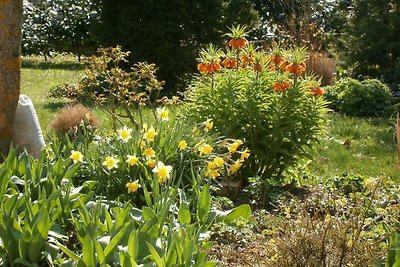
{"type": "Point", "coordinates": [39, 77]}
{"type": "Point", "coordinates": [357, 146]}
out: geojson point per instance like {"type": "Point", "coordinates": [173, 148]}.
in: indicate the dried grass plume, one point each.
{"type": "Point", "coordinates": [70, 120]}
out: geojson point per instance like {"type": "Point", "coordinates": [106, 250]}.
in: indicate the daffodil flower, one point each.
{"type": "Point", "coordinates": [235, 167]}
{"type": "Point", "coordinates": [76, 156]}
{"type": "Point", "coordinates": [205, 149]}
{"type": "Point", "coordinates": [150, 135]}
{"type": "Point", "coordinates": [182, 145]}
{"type": "Point", "coordinates": [141, 143]}
{"type": "Point", "coordinates": [124, 134]}
{"type": "Point", "coordinates": [208, 124]}
{"type": "Point", "coordinates": [245, 154]}
{"type": "Point", "coordinates": [111, 162]}
{"type": "Point", "coordinates": [162, 171]}
{"type": "Point", "coordinates": [234, 146]}
{"type": "Point", "coordinates": [162, 113]}
{"type": "Point", "coordinates": [132, 160]}
{"type": "Point", "coordinates": [133, 186]}
{"type": "Point", "coordinates": [149, 153]}
{"type": "Point", "coordinates": [212, 173]}
{"type": "Point", "coordinates": [151, 163]}
{"type": "Point", "coordinates": [218, 161]}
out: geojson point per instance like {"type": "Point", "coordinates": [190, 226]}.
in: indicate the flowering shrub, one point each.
{"type": "Point", "coordinates": [265, 100]}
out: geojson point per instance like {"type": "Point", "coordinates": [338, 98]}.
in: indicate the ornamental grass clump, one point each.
{"type": "Point", "coordinates": [267, 100]}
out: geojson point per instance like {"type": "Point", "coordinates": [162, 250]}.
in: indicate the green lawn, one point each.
{"type": "Point", "coordinates": [38, 77]}
{"type": "Point", "coordinates": [357, 146]}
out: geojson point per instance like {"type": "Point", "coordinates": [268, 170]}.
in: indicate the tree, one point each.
{"type": "Point", "coordinates": [372, 41]}
{"type": "Point", "coordinates": [10, 67]}
{"type": "Point", "coordinates": [58, 25]}
{"type": "Point", "coordinates": [168, 32]}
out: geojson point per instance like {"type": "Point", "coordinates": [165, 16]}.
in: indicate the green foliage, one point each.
{"type": "Point", "coordinates": [371, 48]}
{"type": "Point", "coordinates": [276, 126]}
{"type": "Point", "coordinates": [167, 148]}
{"type": "Point", "coordinates": [57, 25]}
{"type": "Point", "coordinates": [46, 221]}
{"type": "Point", "coordinates": [366, 98]}
{"type": "Point", "coordinates": [167, 32]}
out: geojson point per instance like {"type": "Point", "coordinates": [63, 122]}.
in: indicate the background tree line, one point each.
{"type": "Point", "coordinates": [361, 34]}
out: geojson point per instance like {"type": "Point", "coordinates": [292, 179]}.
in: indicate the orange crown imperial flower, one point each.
{"type": "Point", "coordinates": [208, 68]}
{"type": "Point", "coordinates": [229, 63]}
{"type": "Point", "coordinates": [238, 43]}
{"type": "Point", "coordinates": [281, 86]}
{"type": "Point", "coordinates": [296, 68]}
{"type": "Point", "coordinates": [257, 67]}
{"type": "Point", "coordinates": [317, 91]}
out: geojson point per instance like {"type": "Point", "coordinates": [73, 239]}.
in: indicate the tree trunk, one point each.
{"type": "Point", "coordinates": [10, 68]}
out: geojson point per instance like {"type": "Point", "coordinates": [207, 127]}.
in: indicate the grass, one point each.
{"type": "Point", "coordinates": [357, 146]}
{"type": "Point", "coordinates": [39, 77]}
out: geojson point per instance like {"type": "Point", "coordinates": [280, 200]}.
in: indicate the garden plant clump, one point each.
{"type": "Point", "coordinates": [266, 100]}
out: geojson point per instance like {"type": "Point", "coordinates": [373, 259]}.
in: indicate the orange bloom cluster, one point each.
{"type": "Point", "coordinates": [296, 68]}
{"type": "Point", "coordinates": [238, 43]}
{"type": "Point", "coordinates": [208, 68]}
{"type": "Point", "coordinates": [318, 91]}
{"type": "Point", "coordinates": [247, 58]}
{"type": "Point", "coordinates": [257, 67]}
{"type": "Point", "coordinates": [230, 63]}
{"type": "Point", "coordinates": [278, 61]}
{"type": "Point", "coordinates": [281, 86]}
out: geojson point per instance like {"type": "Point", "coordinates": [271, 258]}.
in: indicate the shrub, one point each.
{"type": "Point", "coordinates": [366, 98]}
{"type": "Point", "coordinates": [277, 113]}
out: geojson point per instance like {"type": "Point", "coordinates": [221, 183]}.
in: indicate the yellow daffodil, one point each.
{"type": "Point", "coordinates": [141, 144]}
{"type": "Point", "coordinates": [235, 167]}
{"type": "Point", "coordinates": [111, 162]}
{"type": "Point", "coordinates": [132, 160]}
{"type": "Point", "coordinates": [208, 124]}
{"type": "Point", "coordinates": [76, 156]}
{"type": "Point", "coordinates": [149, 153]}
{"type": "Point", "coordinates": [162, 113]}
{"type": "Point", "coordinates": [124, 134]}
{"type": "Point", "coordinates": [162, 171]}
{"type": "Point", "coordinates": [150, 135]}
{"type": "Point", "coordinates": [205, 149]}
{"type": "Point", "coordinates": [133, 186]}
{"type": "Point", "coordinates": [211, 165]}
{"type": "Point", "coordinates": [212, 173]}
{"type": "Point", "coordinates": [218, 161]}
{"type": "Point", "coordinates": [151, 163]}
{"type": "Point", "coordinates": [182, 145]}
{"type": "Point", "coordinates": [245, 154]}
{"type": "Point", "coordinates": [234, 146]}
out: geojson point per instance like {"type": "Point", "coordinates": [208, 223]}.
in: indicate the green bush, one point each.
{"type": "Point", "coordinates": [360, 98]}
{"type": "Point", "coordinates": [245, 104]}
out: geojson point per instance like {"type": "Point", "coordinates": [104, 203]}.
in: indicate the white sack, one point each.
{"type": "Point", "coordinates": [26, 129]}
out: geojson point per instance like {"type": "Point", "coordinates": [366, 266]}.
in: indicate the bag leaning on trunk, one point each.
{"type": "Point", "coordinates": [27, 134]}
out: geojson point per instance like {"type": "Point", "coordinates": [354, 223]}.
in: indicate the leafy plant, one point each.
{"type": "Point", "coordinates": [360, 98]}
{"type": "Point", "coordinates": [277, 112]}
